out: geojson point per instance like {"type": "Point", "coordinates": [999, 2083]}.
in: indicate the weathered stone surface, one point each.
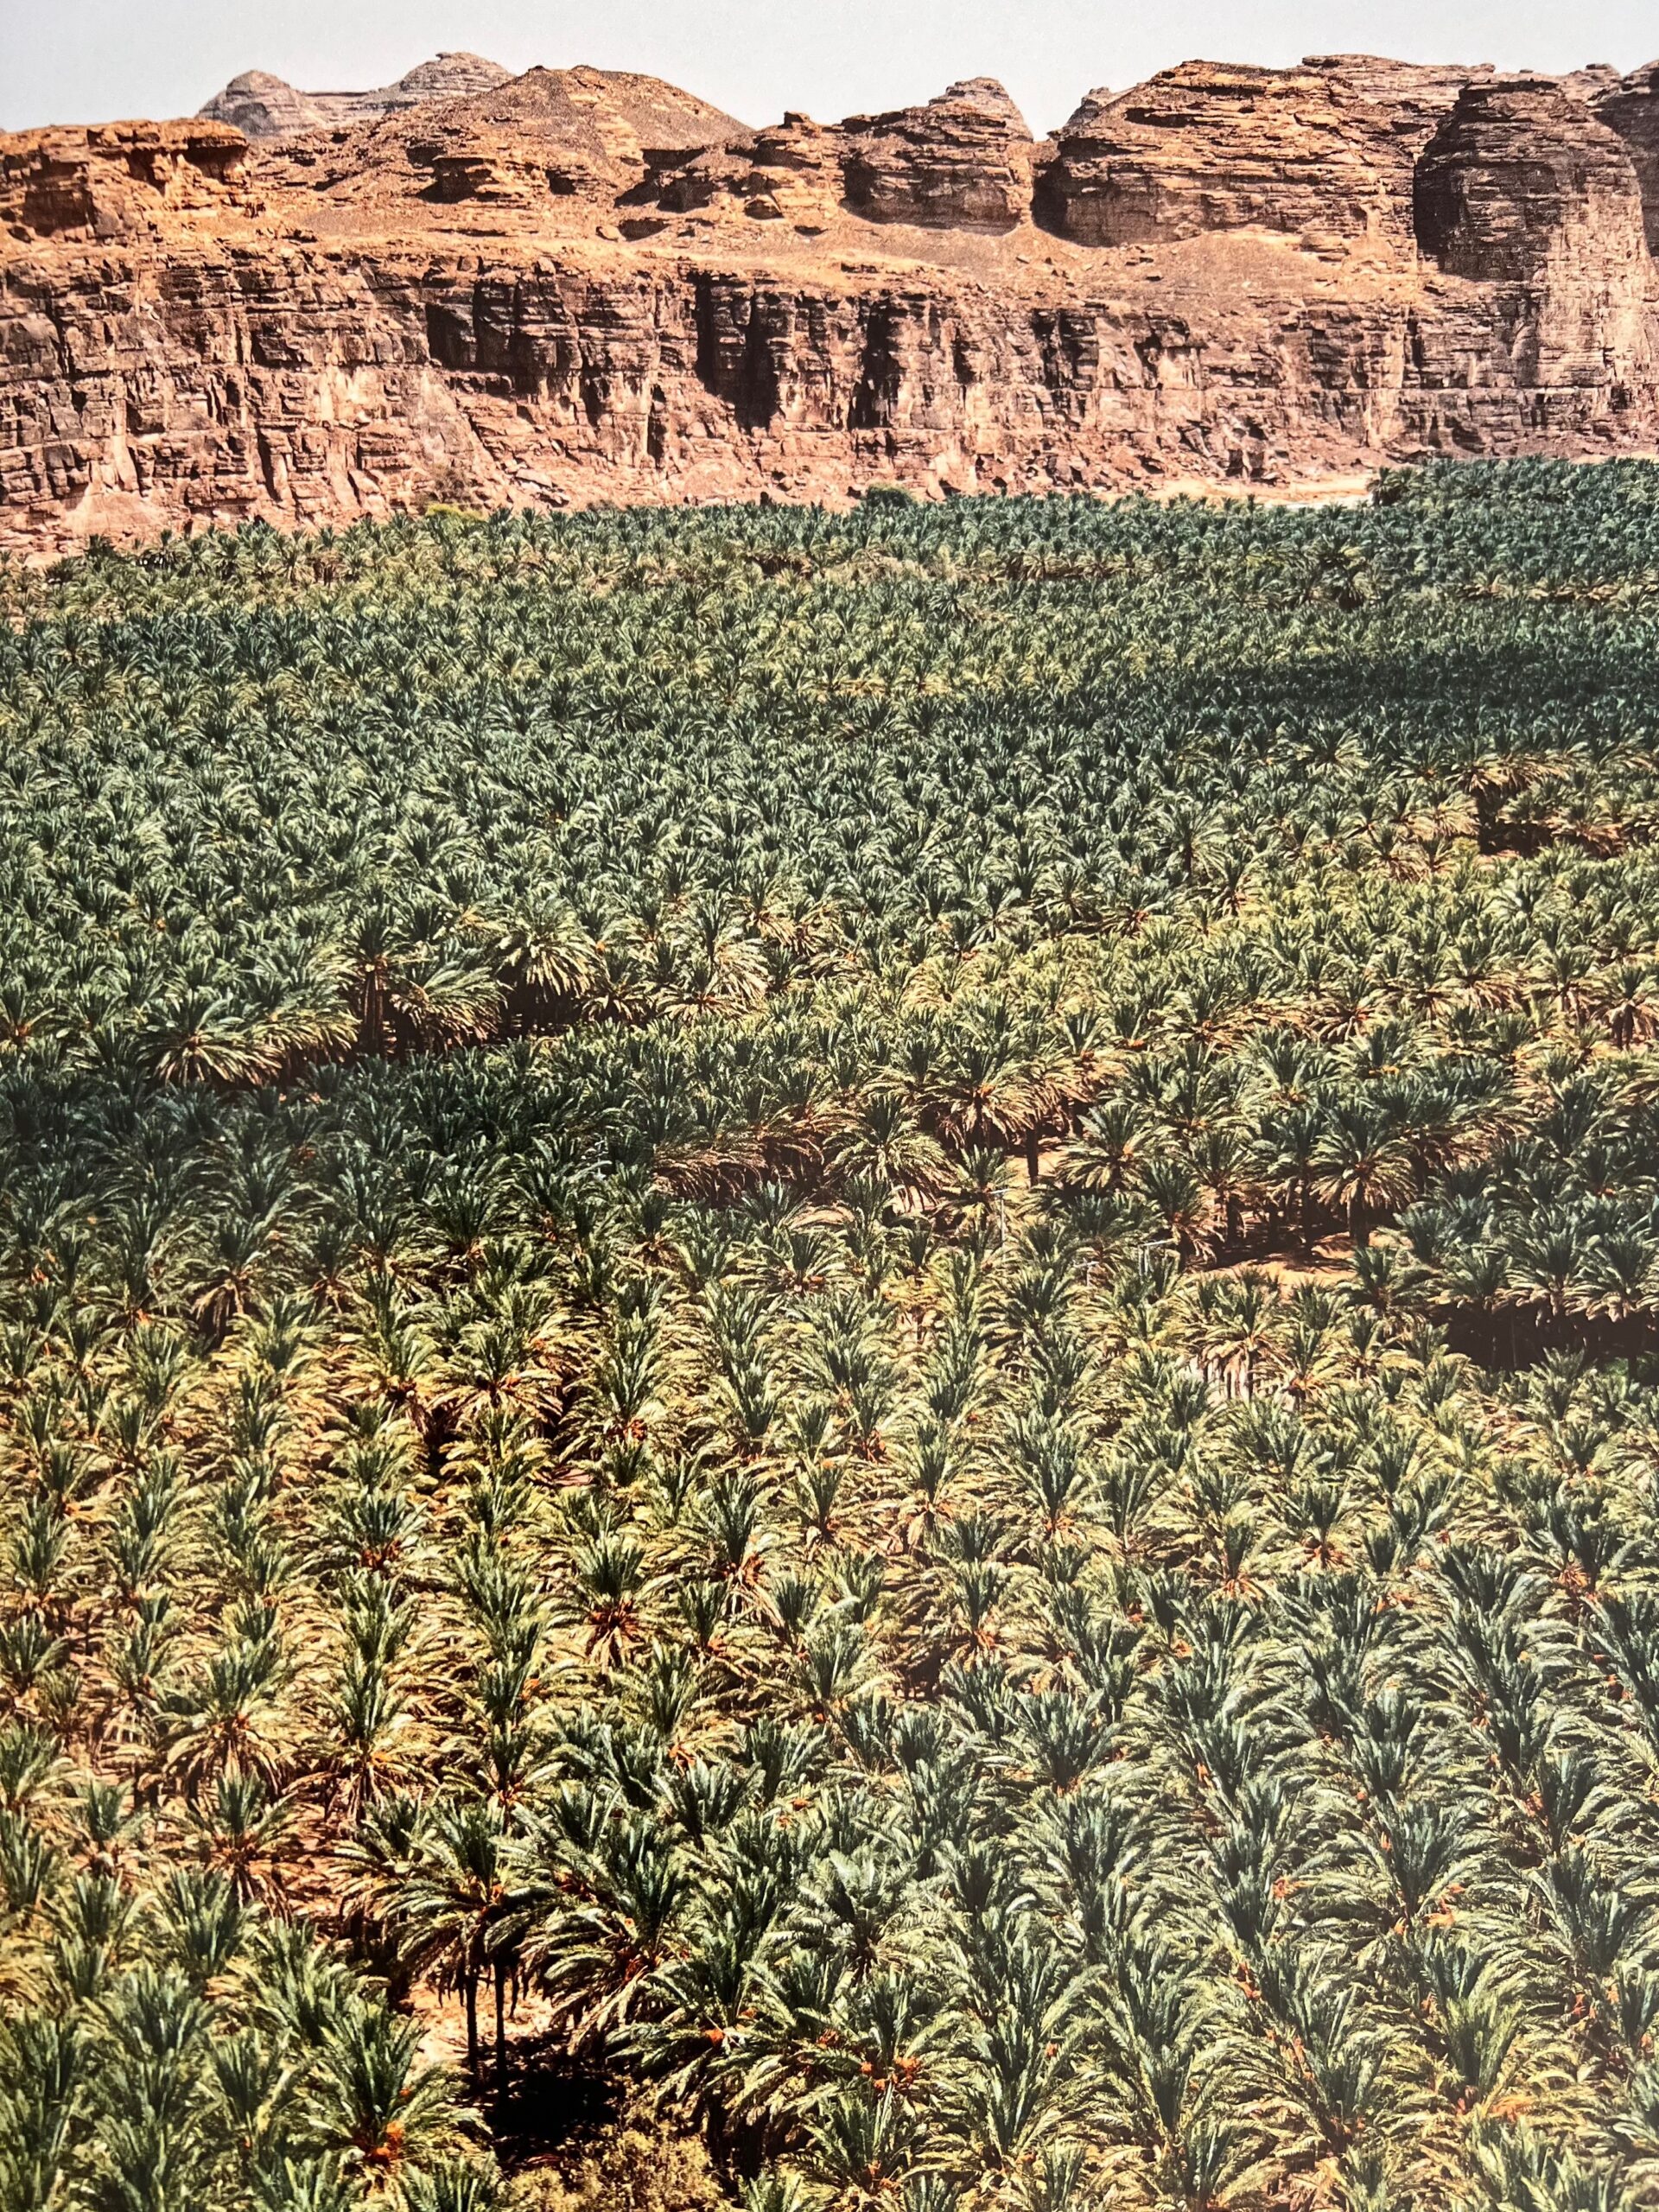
{"type": "Point", "coordinates": [1521, 179]}
{"type": "Point", "coordinates": [961, 163]}
{"type": "Point", "coordinates": [1416, 98]}
{"type": "Point", "coordinates": [1204, 148]}
{"type": "Point", "coordinates": [582, 286]}
{"type": "Point", "coordinates": [106, 180]}
{"type": "Point", "coordinates": [792, 173]}
{"type": "Point", "coordinates": [1591, 83]}
{"type": "Point", "coordinates": [1631, 108]}
{"type": "Point", "coordinates": [1523, 194]}
{"type": "Point", "coordinates": [1420, 93]}
{"type": "Point", "coordinates": [570, 133]}
{"type": "Point", "coordinates": [263, 106]}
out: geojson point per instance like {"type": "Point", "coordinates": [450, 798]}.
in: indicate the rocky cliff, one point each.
{"type": "Point", "coordinates": [581, 286]}
{"type": "Point", "coordinates": [1631, 108]}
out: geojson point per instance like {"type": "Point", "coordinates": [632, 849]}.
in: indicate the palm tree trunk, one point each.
{"type": "Point", "coordinates": [1033, 1156]}
{"type": "Point", "coordinates": [470, 1986]}
{"type": "Point", "coordinates": [500, 2029]}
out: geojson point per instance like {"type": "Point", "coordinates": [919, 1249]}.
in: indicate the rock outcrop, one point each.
{"type": "Point", "coordinates": [1631, 108]}
{"type": "Point", "coordinates": [586, 286]}
{"type": "Point", "coordinates": [964, 163]}
{"type": "Point", "coordinates": [586, 134]}
{"type": "Point", "coordinates": [263, 106]}
{"type": "Point", "coordinates": [112, 180]}
{"type": "Point", "coordinates": [1323, 153]}
{"type": "Point", "coordinates": [1520, 180]}
{"type": "Point", "coordinates": [1532, 203]}
{"type": "Point", "coordinates": [791, 174]}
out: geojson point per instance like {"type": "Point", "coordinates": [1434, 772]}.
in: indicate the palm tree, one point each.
{"type": "Point", "coordinates": [452, 1905]}
{"type": "Point", "coordinates": [372, 2105]}
{"type": "Point", "coordinates": [1364, 1165]}
{"type": "Point", "coordinates": [516, 1038]}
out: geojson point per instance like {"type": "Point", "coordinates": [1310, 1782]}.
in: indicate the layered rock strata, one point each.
{"type": "Point", "coordinates": [1520, 181]}
{"type": "Point", "coordinates": [111, 181]}
{"type": "Point", "coordinates": [263, 106]}
{"type": "Point", "coordinates": [589, 135]}
{"type": "Point", "coordinates": [1632, 109]}
{"type": "Point", "coordinates": [961, 163]}
{"type": "Point", "coordinates": [1522, 194]}
{"type": "Point", "coordinates": [1323, 154]}
{"type": "Point", "coordinates": [583, 287]}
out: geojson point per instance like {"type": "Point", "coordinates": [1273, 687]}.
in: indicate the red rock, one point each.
{"type": "Point", "coordinates": [585, 286]}
{"type": "Point", "coordinates": [567, 133]}
{"type": "Point", "coordinates": [790, 173]}
{"type": "Point", "coordinates": [1203, 149]}
{"type": "Point", "coordinates": [1631, 108]}
{"type": "Point", "coordinates": [1521, 178]}
{"type": "Point", "coordinates": [961, 163]}
{"type": "Point", "coordinates": [1535, 207]}
{"type": "Point", "coordinates": [106, 180]}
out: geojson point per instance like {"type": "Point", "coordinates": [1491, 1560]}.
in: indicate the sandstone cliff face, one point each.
{"type": "Point", "coordinates": [579, 287]}
{"type": "Point", "coordinates": [108, 180]}
{"type": "Point", "coordinates": [1202, 149]}
{"type": "Point", "coordinates": [1523, 193]}
{"type": "Point", "coordinates": [263, 106]}
{"type": "Point", "coordinates": [1519, 178]}
{"type": "Point", "coordinates": [1631, 108]}
{"type": "Point", "coordinates": [961, 163]}
{"type": "Point", "coordinates": [1419, 96]}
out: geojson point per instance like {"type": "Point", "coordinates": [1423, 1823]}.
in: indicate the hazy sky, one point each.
{"type": "Point", "coordinates": [90, 61]}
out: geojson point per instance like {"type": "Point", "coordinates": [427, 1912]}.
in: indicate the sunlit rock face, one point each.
{"type": "Point", "coordinates": [580, 285]}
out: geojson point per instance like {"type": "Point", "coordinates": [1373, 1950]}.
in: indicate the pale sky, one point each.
{"type": "Point", "coordinates": [93, 60]}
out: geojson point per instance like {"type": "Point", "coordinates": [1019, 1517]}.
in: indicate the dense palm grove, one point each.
{"type": "Point", "coordinates": [854, 1319]}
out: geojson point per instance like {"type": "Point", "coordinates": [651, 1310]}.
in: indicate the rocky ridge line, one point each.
{"type": "Point", "coordinates": [263, 106]}
{"type": "Point", "coordinates": [581, 285]}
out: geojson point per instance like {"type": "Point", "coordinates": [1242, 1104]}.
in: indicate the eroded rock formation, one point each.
{"type": "Point", "coordinates": [789, 173]}
{"type": "Point", "coordinates": [1631, 108]}
{"type": "Point", "coordinates": [964, 163]}
{"type": "Point", "coordinates": [1323, 154]}
{"type": "Point", "coordinates": [581, 285]}
{"type": "Point", "coordinates": [263, 106]}
{"type": "Point", "coordinates": [576, 133]}
{"type": "Point", "coordinates": [109, 181]}
{"type": "Point", "coordinates": [1535, 206]}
